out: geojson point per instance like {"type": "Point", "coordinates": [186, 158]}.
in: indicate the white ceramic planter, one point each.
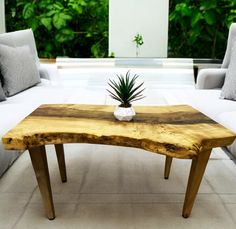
{"type": "Point", "coordinates": [124, 113]}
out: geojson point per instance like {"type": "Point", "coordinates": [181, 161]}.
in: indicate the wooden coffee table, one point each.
{"type": "Point", "coordinates": [174, 131]}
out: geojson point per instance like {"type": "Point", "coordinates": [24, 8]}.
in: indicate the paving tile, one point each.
{"type": "Point", "coordinates": [232, 211]}
{"type": "Point", "coordinates": [218, 154]}
{"type": "Point", "coordinates": [78, 216]}
{"type": "Point", "coordinates": [19, 178]}
{"type": "Point", "coordinates": [108, 169]}
{"type": "Point", "coordinates": [62, 198]}
{"type": "Point", "coordinates": [103, 216]}
{"type": "Point", "coordinates": [221, 176]}
{"type": "Point", "coordinates": [10, 213]}
{"type": "Point", "coordinates": [118, 187]}
{"type": "Point", "coordinates": [12, 205]}
{"type": "Point", "coordinates": [229, 198]}
{"type": "Point", "coordinates": [105, 198]}
{"type": "Point", "coordinates": [14, 198]}
{"type": "Point", "coordinates": [145, 198]}
{"type": "Point", "coordinates": [137, 216]}
{"type": "Point", "coordinates": [204, 215]}
{"type": "Point", "coordinates": [34, 217]}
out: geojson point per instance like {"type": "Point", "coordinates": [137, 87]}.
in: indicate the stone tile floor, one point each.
{"type": "Point", "coordinates": [118, 187]}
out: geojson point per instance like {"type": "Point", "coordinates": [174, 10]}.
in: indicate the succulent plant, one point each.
{"type": "Point", "coordinates": [124, 90]}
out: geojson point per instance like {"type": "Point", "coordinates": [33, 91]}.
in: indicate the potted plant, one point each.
{"type": "Point", "coordinates": [138, 39]}
{"type": "Point", "coordinates": [125, 91]}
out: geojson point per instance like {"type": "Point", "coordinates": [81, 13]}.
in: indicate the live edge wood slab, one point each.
{"type": "Point", "coordinates": [174, 131]}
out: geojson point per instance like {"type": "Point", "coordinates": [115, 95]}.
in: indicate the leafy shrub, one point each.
{"type": "Point", "coordinates": [79, 28]}
{"type": "Point", "coordinates": [200, 28]}
{"type": "Point", "coordinates": [75, 28]}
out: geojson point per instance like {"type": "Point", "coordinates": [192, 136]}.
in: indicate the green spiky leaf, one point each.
{"type": "Point", "coordinates": [125, 89]}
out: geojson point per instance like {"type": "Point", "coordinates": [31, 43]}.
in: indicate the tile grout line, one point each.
{"type": "Point", "coordinates": [82, 184]}
{"type": "Point", "coordinates": [221, 200]}
{"type": "Point", "coordinates": [227, 210]}
{"type": "Point", "coordinates": [25, 207]}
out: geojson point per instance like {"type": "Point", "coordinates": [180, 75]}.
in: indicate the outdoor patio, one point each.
{"type": "Point", "coordinates": [76, 47]}
{"type": "Point", "coordinates": [118, 187]}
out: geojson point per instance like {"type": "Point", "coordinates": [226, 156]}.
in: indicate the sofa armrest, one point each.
{"type": "Point", "coordinates": [211, 78]}
{"type": "Point", "coordinates": [50, 72]}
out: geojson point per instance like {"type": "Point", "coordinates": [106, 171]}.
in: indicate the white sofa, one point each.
{"type": "Point", "coordinates": [15, 108]}
{"type": "Point", "coordinates": [208, 102]}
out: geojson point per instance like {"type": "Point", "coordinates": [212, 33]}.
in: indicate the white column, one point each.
{"type": "Point", "coordinates": [146, 17]}
{"type": "Point", "coordinates": [2, 16]}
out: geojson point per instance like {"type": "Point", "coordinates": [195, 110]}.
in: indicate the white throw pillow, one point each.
{"type": "Point", "coordinates": [18, 69]}
{"type": "Point", "coordinates": [229, 87]}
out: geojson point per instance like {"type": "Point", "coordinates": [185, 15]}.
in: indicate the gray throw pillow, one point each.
{"type": "Point", "coordinates": [229, 87]}
{"type": "Point", "coordinates": [18, 69]}
{"type": "Point", "coordinates": [2, 94]}
{"type": "Point", "coordinates": [21, 38]}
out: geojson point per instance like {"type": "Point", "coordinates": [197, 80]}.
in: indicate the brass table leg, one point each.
{"type": "Point", "coordinates": [167, 167]}
{"type": "Point", "coordinates": [195, 177]}
{"type": "Point", "coordinates": [61, 161]}
{"type": "Point", "coordinates": [40, 165]}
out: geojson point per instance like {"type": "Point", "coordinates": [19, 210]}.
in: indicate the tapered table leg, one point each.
{"type": "Point", "coordinates": [40, 165]}
{"type": "Point", "coordinates": [195, 177]}
{"type": "Point", "coordinates": [61, 161]}
{"type": "Point", "coordinates": [167, 167]}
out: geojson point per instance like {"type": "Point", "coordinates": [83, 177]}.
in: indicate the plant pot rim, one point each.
{"type": "Point", "coordinates": [124, 107]}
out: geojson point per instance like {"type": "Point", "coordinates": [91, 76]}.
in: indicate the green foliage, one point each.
{"type": "Point", "coordinates": [124, 90]}
{"type": "Point", "coordinates": [74, 28]}
{"type": "Point", "coordinates": [79, 28]}
{"type": "Point", "coordinates": [138, 39]}
{"type": "Point", "coordinates": [200, 28]}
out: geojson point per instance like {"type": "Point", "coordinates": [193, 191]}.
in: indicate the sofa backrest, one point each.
{"type": "Point", "coordinates": [231, 40]}
{"type": "Point", "coordinates": [21, 38]}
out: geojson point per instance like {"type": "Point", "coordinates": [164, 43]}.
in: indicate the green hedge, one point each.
{"type": "Point", "coordinates": [79, 28]}
{"type": "Point", "coordinates": [199, 29]}
{"type": "Point", "coordinates": [74, 28]}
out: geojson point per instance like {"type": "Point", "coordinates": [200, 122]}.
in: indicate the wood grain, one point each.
{"type": "Point", "coordinates": [175, 131]}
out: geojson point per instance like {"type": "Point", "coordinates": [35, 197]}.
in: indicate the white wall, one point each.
{"type": "Point", "coordinates": [2, 16]}
{"type": "Point", "coordinates": [147, 17]}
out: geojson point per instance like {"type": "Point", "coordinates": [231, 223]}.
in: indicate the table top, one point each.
{"type": "Point", "coordinates": [177, 131]}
